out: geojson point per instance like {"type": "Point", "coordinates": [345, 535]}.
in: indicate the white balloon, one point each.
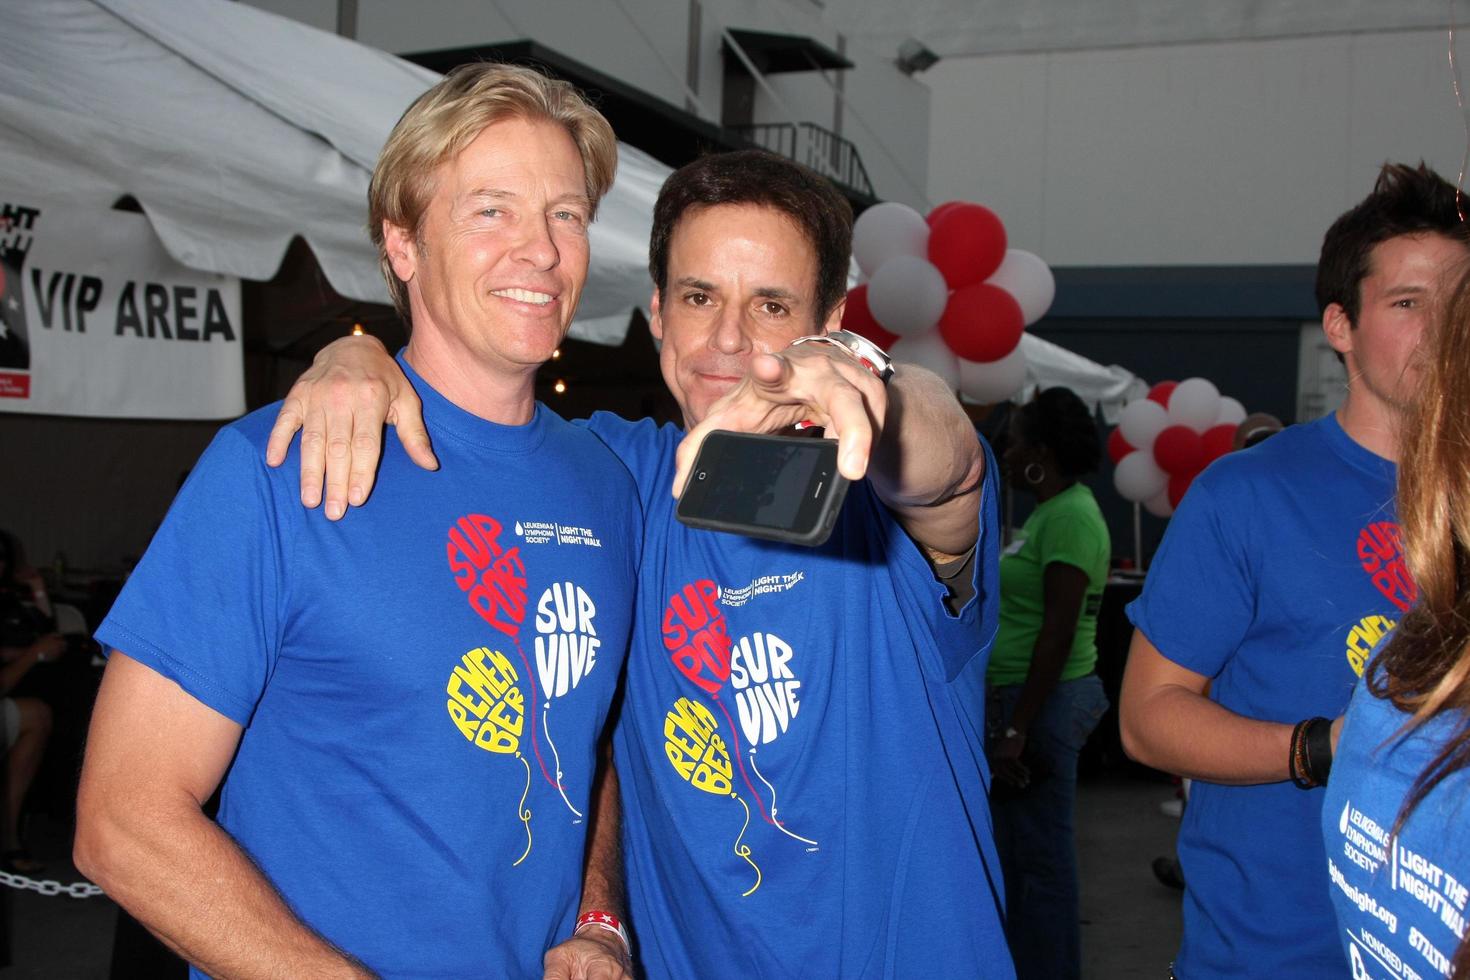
{"type": "Point", "coordinates": [1141, 421]}
{"type": "Point", "coordinates": [886, 230]}
{"type": "Point", "coordinates": [1159, 505]}
{"type": "Point", "coordinates": [1138, 478]}
{"type": "Point", "coordinates": [1028, 278]}
{"type": "Point", "coordinates": [996, 381]}
{"type": "Point", "coordinates": [1194, 403]}
{"type": "Point", "coordinates": [907, 295]}
{"type": "Point", "coordinates": [1231, 412]}
{"type": "Point", "coordinates": [928, 350]}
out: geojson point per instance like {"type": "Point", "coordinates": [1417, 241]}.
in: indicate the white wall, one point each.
{"type": "Point", "coordinates": [645, 43]}
{"type": "Point", "coordinates": [1233, 153]}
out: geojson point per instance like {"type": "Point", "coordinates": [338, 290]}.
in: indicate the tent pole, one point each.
{"type": "Point", "coordinates": [1137, 536]}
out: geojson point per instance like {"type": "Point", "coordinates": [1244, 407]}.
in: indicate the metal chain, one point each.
{"type": "Point", "coordinates": [77, 889]}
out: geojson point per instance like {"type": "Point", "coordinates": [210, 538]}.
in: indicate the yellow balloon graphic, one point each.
{"type": "Point", "coordinates": [695, 748]}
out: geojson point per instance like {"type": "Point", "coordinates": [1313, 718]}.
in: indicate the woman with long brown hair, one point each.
{"type": "Point", "coordinates": [1397, 815]}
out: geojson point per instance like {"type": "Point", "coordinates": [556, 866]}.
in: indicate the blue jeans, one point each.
{"type": "Point", "coordinates": [1035, 834]}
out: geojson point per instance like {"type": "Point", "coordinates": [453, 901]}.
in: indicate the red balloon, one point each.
{"type": "Point", "coordinates": [1118, 446]}
{"type": "Point", "coordinates": [1177, 487]}
{"type": "Point", "coordinates": [982, 323]}
{"type": "Point", "coordinates": [1160, 392]}
{"type": "Point", "coordinates": [967, 244]}
{"type": "Point", "coordinates": [1218, 440]}
{"type": "Point", "coordinates": [859, 319]}
{"type": "Point", "coordinates": [1179, 451]}
{"type": "Point", "coordinates": [942, 210]}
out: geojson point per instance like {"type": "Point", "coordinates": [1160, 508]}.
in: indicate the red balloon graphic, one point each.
{"type": "Point", "coordinates": [982, 323]}
{"type": "Point", "coordinates": [1160, 392]}
{"type": "Point", "coordinates": [1118, 446]}
{"type": "Point", "coordinates": [1179, 451]}
{"type": "Point", "coordinates": [859, 319]}
{"type": "Point", "coordinates": [967, 244]}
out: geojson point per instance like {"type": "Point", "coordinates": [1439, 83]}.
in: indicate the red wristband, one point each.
{"type": "Point", "coordinates": [606, 921]}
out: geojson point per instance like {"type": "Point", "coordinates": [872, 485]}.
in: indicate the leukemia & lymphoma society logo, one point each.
{"type": "Point", "coordinates": [764, 585]}
{"type": "Point", "coordinates": [547, 532]}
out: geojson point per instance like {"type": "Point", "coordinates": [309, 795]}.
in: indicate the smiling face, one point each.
{"type": "Point", "coordinates": [501, 255]}
{"type": "Point", "coordinates": [742, 280]}
{"type": "Point", "coordinates": [1407, 279]}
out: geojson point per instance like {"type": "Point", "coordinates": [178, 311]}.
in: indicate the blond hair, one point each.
{"type": "Point", "coordinates": [447, 118]}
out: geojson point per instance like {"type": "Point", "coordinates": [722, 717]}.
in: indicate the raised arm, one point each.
{"type": "Point", "coordinates": [340, 406]}
{"type": "Point", "coordinates": [1169, 723]}
{"type": "Point", "coordinates": [927, 465]}
{"type": "Point", "coordinates": [154, 755]}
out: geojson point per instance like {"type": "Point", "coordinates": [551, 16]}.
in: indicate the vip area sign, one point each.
{"type": "Point", "coordinates": [97, 319]}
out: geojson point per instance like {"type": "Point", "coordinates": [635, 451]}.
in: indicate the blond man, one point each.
{"type": "Point", "coordinates": [408, 704]}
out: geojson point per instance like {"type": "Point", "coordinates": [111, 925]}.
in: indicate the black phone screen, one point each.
{"type": "Point", "coordinates": [765, 486]}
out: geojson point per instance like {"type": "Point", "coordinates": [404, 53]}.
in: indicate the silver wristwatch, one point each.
{"type": "Point", "coordinates": [867, 353]}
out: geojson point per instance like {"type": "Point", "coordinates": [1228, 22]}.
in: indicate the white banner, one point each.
{"type": "Point", "coordinates": [97, 319]}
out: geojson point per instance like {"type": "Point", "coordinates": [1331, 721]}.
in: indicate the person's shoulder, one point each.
{"type": "Point", "coordinates": [638, 442]}
{"type": "Point", "coordinates": [586, 444]}
{"type": "Point", "coordinates": [1292, 447]}
{"type": "Point", "coordinates": [244, 439]}
{"type": "Point", "coordinates": [611, 426]}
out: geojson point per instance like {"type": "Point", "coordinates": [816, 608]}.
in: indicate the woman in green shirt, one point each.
{"type": "Point", "coordinates": [1044, 697]}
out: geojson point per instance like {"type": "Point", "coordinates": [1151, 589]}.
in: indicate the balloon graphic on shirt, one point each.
{"type": "Point", "coordinates": [767, 699]}
{"type": "Point", "coordinates": [566, 649]}
{"type": "Point", "coordinates": [487, 706]}
{"type": "Point", "coordinates": [696, 636]}
{"type": "Point", "coordinates": [697, 752]}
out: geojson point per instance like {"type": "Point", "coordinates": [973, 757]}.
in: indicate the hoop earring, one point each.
{"type": "Point", "coordinates": [1040, 473]}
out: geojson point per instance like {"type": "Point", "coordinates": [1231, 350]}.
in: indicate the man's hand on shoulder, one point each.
{"type": "Point", "coordinates": [589, 955]}
{"type": "Point", "coordinates": [340, 406]}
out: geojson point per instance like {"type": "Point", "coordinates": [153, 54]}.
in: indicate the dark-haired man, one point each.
{"type": "Point", "coordinates": [803, 779]}
{"type": "Point", "coordinates": [1278, 573]}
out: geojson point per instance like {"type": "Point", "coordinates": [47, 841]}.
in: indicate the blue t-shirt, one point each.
{"type": "Point", "coordinates": [800, 748]}
{"type": "Point", "coordinates": [1278, 574]}
{"type": "Point", "coordinates": [1401, 901]}
{"type": "Point", "coordinates": [421, 685]}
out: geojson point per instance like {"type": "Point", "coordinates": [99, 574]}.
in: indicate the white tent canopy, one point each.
{"type": "Point", "coordinates": [238, 130]}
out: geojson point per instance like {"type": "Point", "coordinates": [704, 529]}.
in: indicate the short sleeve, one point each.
{"type": "Point", "coordinates": [955, 639]}
{"type": "Point", "coordinates": [204, 606]}
{"type": "Point", "coordinates": [1073, 540]}
{"type": "Point", "coordinates": [1198, 599]}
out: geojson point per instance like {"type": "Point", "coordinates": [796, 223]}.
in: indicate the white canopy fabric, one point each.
{"type": "Point", "coordinates": [1106, 388]}
{"type": "Point", "coordinates": [238, 130]}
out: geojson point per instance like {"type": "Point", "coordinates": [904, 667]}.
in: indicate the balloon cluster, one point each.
{"type": "Point", "coordinates": [945, 293]}
{"type": "Point", "coordinates": [1163, 441]}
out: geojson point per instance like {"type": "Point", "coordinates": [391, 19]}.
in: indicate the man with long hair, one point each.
{"type": "Point", "coordinates": [1279, 569]}
{"type": "Point", "coordinates": [1397, 815]}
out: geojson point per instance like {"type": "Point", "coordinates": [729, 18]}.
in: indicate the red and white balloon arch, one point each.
{"type": "Point", "coordinates": [945, 292]}
{"type": "Point", "coordinates": [1165, 439]}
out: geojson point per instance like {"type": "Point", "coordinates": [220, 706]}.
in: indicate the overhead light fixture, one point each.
{"type": "Point", "coordinates": [560, 387]}
{"type": "Point", "coordinates": [914, 56]}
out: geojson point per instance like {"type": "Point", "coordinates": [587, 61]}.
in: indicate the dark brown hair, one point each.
{"type": "Point", "coordinates": [1405, 201]}
{"type": "Point", "coordinates": [762, 178]}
